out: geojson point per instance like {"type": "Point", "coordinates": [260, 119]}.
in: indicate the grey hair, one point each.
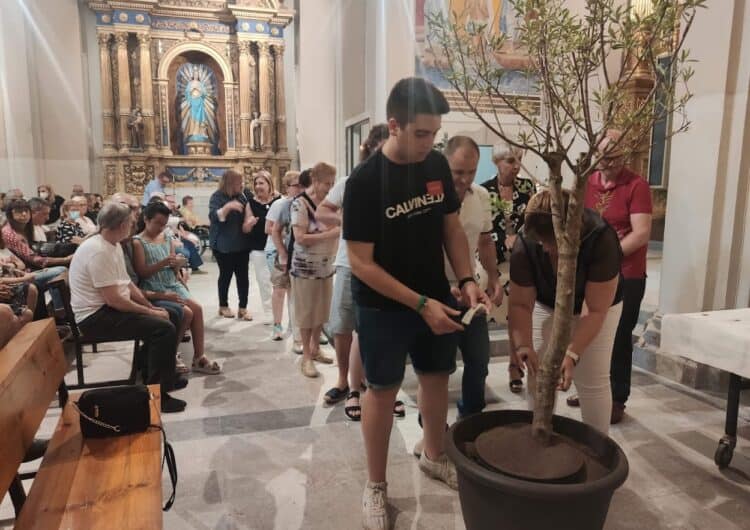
{"type": "Point", "coordinates": [113, 215]}
{"type": "Point", "coordinates": [502, 150]}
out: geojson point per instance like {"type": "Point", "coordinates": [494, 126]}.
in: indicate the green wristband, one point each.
{"type": "Point", "coordinates": [420, 305]}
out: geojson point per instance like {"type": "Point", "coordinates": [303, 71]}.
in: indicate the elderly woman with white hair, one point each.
{"type": "Point", "coordinates": [509, 195]}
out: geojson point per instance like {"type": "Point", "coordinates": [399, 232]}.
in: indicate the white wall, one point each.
{"type": "Point", "coordinates": [707, 231]}
{"type": "Point", "coordinates": [46, 119]}
{"type": "Point", "coordinates": [316, 88]}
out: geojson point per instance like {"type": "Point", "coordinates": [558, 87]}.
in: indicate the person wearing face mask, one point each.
{"type": "Point", "coordinates": [69, 231]}
{"type": "Point", "coordinates": [46, 193]}
{"type": "Point", "coordinates": [87, 225]}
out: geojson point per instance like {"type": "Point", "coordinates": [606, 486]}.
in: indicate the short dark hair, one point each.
{"type": "Point", "coordinates": [305, 178]}
{"type": "Point", "coordinates": [458, 141]}
{"type": "Point", "coordinates": [156, 208]}
{"type": "Point", "coordinates": [186, 199]}
{"type": "Point", "coordinates": [412, 96]}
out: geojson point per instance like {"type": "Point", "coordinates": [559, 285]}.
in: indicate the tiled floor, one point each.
{"type": "Point", "coordinates": [257, 450]}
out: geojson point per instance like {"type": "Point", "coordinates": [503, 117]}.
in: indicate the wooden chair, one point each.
{"type": "Point", "coordinates": [80, 341]}
{"type": "Point", "coordinates": [99, 483]}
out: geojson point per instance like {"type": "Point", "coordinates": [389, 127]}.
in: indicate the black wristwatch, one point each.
{"type": "Point", "coordinates": [464, 281]}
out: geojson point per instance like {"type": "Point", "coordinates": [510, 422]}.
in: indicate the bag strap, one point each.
{"type": "Point", "coordinates": [115, 428]}
{"type": "Point", "coordinates": [171, 462]}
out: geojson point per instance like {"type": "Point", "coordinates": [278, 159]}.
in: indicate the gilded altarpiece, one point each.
{"type": "Point", "coordinates": [193, 87]}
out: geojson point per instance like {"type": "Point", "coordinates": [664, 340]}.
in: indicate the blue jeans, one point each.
{"type": "Point", "coordinates": [43, 277]}
{"type": "Point", "coordinates": [474, 343]}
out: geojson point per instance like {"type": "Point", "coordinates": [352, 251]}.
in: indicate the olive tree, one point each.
{"type": "Point", "coordinates": [587, 69]}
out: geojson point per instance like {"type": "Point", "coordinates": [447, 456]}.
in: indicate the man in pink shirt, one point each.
{"type": "Point", "coordinates": [623, 199]}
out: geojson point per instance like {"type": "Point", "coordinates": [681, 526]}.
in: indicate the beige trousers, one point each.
{"type": "Point", "coordinates": [591, 376]}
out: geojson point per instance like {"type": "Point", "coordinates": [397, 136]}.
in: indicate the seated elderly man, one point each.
{"type": "Point", "coordinates": [108, 306]}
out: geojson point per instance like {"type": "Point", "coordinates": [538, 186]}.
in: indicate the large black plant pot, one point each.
{"type": "Point", "coordinates": [492, 500]}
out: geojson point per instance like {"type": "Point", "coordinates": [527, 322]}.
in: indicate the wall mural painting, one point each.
{"type": "Point", "coordinates": [197, 96]}
{"type": "Point", "coordinates": [498, 17]}
{"type": "Point", "coordinates": [195, 175]}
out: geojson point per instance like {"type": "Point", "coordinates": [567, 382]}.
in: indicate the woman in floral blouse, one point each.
{"type": "Point", "coordinates": [69, 231]}
{"type": "Point", "coordinates": [509, 196]}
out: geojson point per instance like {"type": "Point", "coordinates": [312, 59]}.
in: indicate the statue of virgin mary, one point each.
{"type": "Point", "coordinates": [197, 96]}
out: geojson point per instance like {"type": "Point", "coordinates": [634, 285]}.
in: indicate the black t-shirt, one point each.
{"type": "Point", "coordinates": [599, 260]}
{"type": "Point", "coordinates": [257, 236]}
{"type": "Point", "coordinates": [400, 208]}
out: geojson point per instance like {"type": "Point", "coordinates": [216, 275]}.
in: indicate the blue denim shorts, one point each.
{"type": "Point", "coordinates": [387, 337]}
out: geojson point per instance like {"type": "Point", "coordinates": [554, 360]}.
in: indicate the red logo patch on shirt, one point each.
{"type": "Point", "coordinates": [435, 187]}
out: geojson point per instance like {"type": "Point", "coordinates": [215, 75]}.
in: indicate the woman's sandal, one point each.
{"type": "Point", "coordinates": [399, 410]}
{"type": "Point", "coordinates": [203, 365]}
{"type": "Point", "coordinates": [335, 395]}
{"type": "Point", "coordinates": [353, 412]}
{"type": "Point", "coordinates": [516, 385]}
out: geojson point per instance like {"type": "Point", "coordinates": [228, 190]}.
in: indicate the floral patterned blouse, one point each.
{"type": "Point", "coordinates": [67, 230]}
{"type": "Point", "coordinates": [523, 189]}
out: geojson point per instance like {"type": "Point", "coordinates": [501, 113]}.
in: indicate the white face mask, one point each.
{"type": "Point", "coordinates": [43, 194]}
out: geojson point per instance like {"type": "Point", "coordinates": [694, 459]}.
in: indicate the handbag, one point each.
{"type": "Point", "coordinates": [119, 411]}
{"type": "Point", "coordinates": [54, 250]}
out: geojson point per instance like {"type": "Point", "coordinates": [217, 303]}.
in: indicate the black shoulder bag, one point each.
{"type": "Point", "coordinates": [119, 411]}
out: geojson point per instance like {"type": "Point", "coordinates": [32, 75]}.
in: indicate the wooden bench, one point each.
{"type": "Point", "coordinates": [101, 483]}
{"type": "Point", "coordinates": [32, 366]}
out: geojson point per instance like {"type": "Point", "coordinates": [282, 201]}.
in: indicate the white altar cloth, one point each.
{"type": "Point", "coordinates": [716, 338]}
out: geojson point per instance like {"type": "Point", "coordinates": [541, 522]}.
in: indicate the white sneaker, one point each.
{"type": "Point", "coordinates": [374, 502]}
{"type": "Point", "coordinates": [441, 469]}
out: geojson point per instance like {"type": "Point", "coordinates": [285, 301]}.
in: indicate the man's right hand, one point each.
{"type": "Point", "coordinates": [438, 317]}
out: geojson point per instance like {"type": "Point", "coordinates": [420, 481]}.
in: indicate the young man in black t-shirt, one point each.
{"type": "Point", "coordinates": [400, 213]}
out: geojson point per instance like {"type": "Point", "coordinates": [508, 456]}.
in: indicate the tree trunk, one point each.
{"type": "Point", "coordinates": [568, 235]}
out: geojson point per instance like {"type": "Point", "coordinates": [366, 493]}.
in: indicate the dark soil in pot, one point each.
{"type": "Point", "coordinates": [572, 492]}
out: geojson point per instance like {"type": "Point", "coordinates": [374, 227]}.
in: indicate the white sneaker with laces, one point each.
{"type": "Point", "coordinates": [374, 502]}
{"type": "Point", "coordinates": [441, 469]}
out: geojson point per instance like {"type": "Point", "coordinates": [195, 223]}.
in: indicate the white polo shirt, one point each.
{"type": "Point", "coordinates": [476, 218]}
{"type": "Point", "coordinates": [97, 263]}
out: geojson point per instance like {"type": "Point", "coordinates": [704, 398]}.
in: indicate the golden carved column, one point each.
{"type": "Point", "coordinates": [147, 92]}
{"type": "Point", "coordinates": [108, 117]}
{"type": "Point", "coordinates": [264, 91]}
{"type": "Point", "coordinates": [245, 92]}
{"type": "Point", "coordinates": [280, 101]}
{"type": "Point", "coordinates": [123, 74]}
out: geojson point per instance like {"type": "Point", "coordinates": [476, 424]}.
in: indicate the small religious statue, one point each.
{"type": "Point", "coordinates": [135, 125]}
{"type": "Point", "coordinates": [256, 132]}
